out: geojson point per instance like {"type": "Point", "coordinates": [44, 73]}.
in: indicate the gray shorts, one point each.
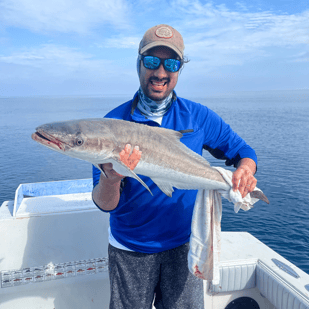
{"type": "Point", "coordinates": [136, 277]}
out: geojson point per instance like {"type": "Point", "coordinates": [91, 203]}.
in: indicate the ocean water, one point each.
{"type": "Point", "coordinates": [274, 123]}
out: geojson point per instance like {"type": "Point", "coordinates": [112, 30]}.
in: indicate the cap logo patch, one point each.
{"type": "Point", "coordinates": [164, 32]}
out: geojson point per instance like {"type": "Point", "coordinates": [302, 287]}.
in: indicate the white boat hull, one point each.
{"type": "Point", "coordinates": [54, 255]}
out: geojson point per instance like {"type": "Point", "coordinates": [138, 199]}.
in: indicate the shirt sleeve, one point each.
{"type": "Point", "coordinates": [222, 142]}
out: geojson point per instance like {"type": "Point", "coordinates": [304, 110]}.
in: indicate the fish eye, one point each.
{"type": "Point", "coordinates": [79, 141]}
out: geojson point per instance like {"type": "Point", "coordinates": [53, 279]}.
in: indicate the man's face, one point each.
{"type": "Point", "coordinates": [158, 84]}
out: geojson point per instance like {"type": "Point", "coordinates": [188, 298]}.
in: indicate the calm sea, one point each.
{"type": "Point", "coordinates": [275, 124]}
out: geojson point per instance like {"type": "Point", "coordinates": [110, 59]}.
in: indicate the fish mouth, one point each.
{"type": "Point", "coordinates": [48, 140]}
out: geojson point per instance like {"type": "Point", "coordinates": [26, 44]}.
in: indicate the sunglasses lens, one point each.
{"type": "Point", "coordinates": [151, 62]}
{"type": "Point", "coordinates": [172, 65]}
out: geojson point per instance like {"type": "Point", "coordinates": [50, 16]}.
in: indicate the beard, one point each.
{"type": "Point", "coordinates": [157, 89]}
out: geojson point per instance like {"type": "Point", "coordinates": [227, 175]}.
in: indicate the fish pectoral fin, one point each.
{"type": "Point", "coordinates": [165, 187]}
{"type": "Point", "coordinates": [102, 171]}
{"type": "Point", "coordinates": [122, 169]}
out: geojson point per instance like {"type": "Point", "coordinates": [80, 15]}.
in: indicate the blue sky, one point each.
{"type": "Point", "coordinates": [73, 47]}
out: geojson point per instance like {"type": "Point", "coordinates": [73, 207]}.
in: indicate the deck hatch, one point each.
{"type": "Point", "coordinates": [286, 268]}
{"type": "Point", "coordinates": [307, 287]}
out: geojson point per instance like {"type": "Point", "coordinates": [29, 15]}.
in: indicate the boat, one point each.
{"type": "Point", "coordinates": [54, 255]}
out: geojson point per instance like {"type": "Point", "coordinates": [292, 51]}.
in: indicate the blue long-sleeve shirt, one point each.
{"type": "Point", "coordinates": [150, 224]}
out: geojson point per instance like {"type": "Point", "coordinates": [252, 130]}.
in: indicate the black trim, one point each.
{"type": "Point", "coordinates": [186, 131]}
{"type": "Point", "coordinates": [134, 104]}
{"type": "Point", "coordinates": [219, 154]}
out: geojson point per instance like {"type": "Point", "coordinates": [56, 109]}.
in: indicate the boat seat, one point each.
{"type": "Point", "coordinates": [258, 275]}
{"type": "Point", "coordinates": [278, 291]}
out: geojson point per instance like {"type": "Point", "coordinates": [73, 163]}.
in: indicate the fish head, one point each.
{"type": "Point", "coordinates": [88, 139]}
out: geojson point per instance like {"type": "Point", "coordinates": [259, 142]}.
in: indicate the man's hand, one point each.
{"type": "Point", "coordinates": [243, 179]}
{"type": "Point", "coordinates": [128, 158]}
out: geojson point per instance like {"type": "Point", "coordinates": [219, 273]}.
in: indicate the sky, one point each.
{"type": "Point", "coordinates": [89, 48]}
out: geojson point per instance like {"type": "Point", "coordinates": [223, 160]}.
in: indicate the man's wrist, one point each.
{"type": "Point", "coordinates": [247, 164]}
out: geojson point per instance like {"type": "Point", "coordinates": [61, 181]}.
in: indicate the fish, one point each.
{"type": "Point", "coordinates": [165, 159]}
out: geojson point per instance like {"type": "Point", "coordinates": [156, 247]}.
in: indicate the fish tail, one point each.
{"type": "Point", "coordinates": [260, 195]}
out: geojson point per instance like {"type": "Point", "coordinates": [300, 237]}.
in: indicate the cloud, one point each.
{"type": "Point", "coordinates": [224, 43]}
{"type": "Point", "coordinates": [121, 42]}
{"type": "Point", "coordinates": [53, 69]}
{"type": "Point", "coordinates": [64, 15]}
{"type": "Point", "coordinates": [242, 6]}
{"type": "Point", "coordinates": [61, 61]}
{"type": "Point", "coordinates": [301, 57]}
{"type": "Point", "coordinates": [217, 35]}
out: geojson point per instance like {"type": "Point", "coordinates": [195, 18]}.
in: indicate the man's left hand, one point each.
{"type": "Point", "coordinates": [243, 179]}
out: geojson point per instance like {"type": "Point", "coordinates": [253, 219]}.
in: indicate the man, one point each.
{"type": "Point", "coordinates": [149, 235]}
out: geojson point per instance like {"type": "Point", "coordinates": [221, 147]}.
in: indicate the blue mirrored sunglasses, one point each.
{"type": "Point", "coordinates": [153, 63]}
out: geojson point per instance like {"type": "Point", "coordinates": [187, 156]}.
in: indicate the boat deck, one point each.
{"type": "Point", "coordinates": [54, 255]}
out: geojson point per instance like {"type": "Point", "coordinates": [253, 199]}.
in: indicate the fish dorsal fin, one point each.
{"type": "Point", "coordinates": [175, 136]}
{"type": "Point", "coordinates": [170, 134]}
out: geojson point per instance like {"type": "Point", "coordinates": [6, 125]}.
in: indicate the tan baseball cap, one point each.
{"type": "Point", "coordinates": [162, 35]}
